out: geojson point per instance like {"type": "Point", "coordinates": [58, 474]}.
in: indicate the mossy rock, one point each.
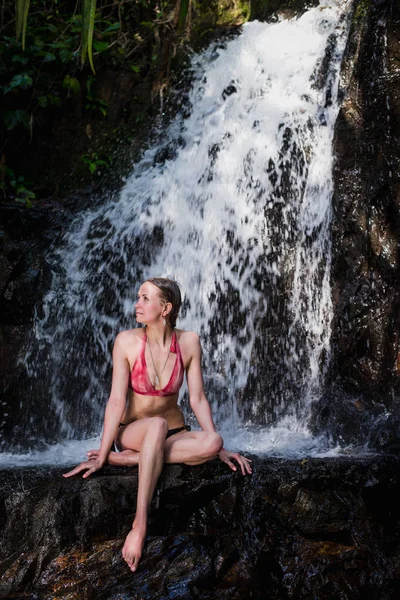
{"type": "Point", "coordinates": [209, 14]}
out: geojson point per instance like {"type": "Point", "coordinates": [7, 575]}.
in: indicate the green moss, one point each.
{"type": "Point", "coordinates": [233, 13]}
{"type": "Point", "coordinates": [209, 14]}
{"type": "Point", "coordinates": [361, 10]}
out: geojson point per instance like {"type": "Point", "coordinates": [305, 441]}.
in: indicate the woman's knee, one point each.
{"type": "Point", "coordinates": [212, 444]}
{"type": "Point", "coordinates": [158, 426]}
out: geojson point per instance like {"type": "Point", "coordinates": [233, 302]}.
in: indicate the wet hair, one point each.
{"type": "Point", "coordinates": [169, 292]}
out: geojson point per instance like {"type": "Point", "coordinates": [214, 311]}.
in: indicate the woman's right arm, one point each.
{"type": "Point", "coordinates": [114, 409]}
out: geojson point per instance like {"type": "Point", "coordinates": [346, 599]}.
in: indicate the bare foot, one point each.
{"type": "Point", "coordinates": [126, 458]}
{"type": "Point", "coordinates": [133, 547]}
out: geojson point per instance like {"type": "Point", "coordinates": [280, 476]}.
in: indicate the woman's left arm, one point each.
{"type": "Point", "coordinates": [198, 399]}
{"type": "Point", "coordinates": [201, 406]}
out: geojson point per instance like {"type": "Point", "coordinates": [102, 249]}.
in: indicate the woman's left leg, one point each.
{"type": "Point", "coordinates": [188, 447]}
{"type": "Point", "coordinates": [192, 447]}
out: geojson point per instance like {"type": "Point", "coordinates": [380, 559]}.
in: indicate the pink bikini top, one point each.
{"type": "Point", "coordinates": [139, 379]}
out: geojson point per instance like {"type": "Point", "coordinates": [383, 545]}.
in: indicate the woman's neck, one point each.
{"type": "Point", "coordinates": [159, 334]}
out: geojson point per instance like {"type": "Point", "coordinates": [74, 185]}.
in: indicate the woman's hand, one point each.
{"type": "Point", "coordinates": [93, 454]}
{"type": "Point", "coordinates": [91, 465]}
{"type": "Point", "coordinates": [242, 461]}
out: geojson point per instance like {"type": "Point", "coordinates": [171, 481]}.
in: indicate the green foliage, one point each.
{"type": "Point", "coordinates": [183, 14]}
{"type": "Point", "coordinates": [15, 118]}
{"type": "Point", "coordinates": [93, 103]}
{"type": "Point", "coordinates": [88, 17]}
{"type": "Point", "coordinates": [43, 70]}
{"type": "Point", "coordinates": [40, 73]}
{"type": "Point", "coordinates": [21, 19]}
{"type": "Point", "coordinates": [71, 83]}
{"type": "Point", "coordinates": [87, 27]}
{"type": "Point", "coordinates": [21, 80]}
{"type": "Point", "coordinates": [94, 162]}
{"type": "Point", "coordinates": [361, 10]}
{"type": "Point", "coordinates": [16, 186]}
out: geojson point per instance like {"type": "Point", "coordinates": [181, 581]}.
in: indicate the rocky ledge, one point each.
{"type": "Point", "coordinates": [305, 529]}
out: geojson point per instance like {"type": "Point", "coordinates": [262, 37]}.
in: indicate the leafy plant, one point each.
{"type": "Point", "coordinates": [21, 18]}
{"type": "Point", "coordinates": [18, 187]}
{"type": "Point", "coordinates": [87, 27]}
{"type": "Point", "coordinates": [22, 80]}
{"type": "Point", "coordinates": [88, 17]}
{"type": "Point", "coordinates": [71, 83]}
{"type": "Point", "coordinates": [92, 102]}
{"type": "Point", "coordinates": [15, 118]}
{"type": "Point", "coordinates": [94, 162]}
{"type": "Point", "coordinates": [41, 66]}
{"type": "Point", "coordinates": [184, 6]}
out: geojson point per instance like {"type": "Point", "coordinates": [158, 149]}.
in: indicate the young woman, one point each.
{"type": "Point", "coordinates": [150, 429]}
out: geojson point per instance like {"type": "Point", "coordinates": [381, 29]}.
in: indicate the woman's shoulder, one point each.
{"type": "Point", "coordinates": [130, 335]}
{"type": "Point", "coordinates": [187, 337]}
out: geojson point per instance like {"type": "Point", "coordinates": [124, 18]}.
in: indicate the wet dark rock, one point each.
{"type": "Point", "coordinates": [311, 528]}
{"type": "Point", "coordinates": [26, 238]}
{"type": "Point", "coordinates": [228, 91]}
{"type": "Point", "coordinates": [366, 230]}
{"type": "Point", "coordinates": [270, 10]}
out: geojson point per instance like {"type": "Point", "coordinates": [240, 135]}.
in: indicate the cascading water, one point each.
{"type": "Point", "coordinates": [233, 203]}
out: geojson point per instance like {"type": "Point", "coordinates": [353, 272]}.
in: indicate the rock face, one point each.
{"type": "Point", "coordinates": [366, 230]}
{"type": "Point", "coordinates": [320, 528]}
{"type": "Point", "coordinates": [26, 237]}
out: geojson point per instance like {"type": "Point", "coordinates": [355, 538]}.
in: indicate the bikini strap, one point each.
{"type": "Point", "coordinates": [143, 348]}
{"type": "Point", "coordinates": [174, 343]}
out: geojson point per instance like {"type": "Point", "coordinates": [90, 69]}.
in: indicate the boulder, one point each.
{"type": "Point", "coordinates": [299, 529]}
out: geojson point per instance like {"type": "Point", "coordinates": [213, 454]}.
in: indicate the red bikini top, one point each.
{"type": "Point", "coordinates": [139, 379]}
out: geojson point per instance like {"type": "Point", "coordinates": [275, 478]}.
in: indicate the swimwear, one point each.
{"type": "Point", "coordinates": [170, 433]}
{"type": "Point", "coordinates": [177, 430]}
{"type": "Point", "coordinates": [139, 380]}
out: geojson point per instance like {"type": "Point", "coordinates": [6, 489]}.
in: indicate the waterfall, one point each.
{"type": "Point", "coordinates": [234, 203]}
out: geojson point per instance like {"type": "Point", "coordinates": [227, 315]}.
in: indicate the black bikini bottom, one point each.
{"type": "Point", "coordinates": [170, 433]}
{"type": "Point", "coordinates": [177, 430]}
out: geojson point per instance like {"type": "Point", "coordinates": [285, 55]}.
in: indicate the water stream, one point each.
{"type": "Point", "coordinates": [234, 203]}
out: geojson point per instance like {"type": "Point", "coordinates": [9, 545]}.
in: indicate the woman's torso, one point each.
{"type": "Point", "coordinates": [141, 406]}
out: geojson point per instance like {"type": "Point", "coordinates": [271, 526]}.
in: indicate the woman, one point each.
{"type": "Point", "coordinates": [150, 429]}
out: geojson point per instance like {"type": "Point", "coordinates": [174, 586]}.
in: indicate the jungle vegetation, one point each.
{"type": "Point", "coordinates": [51, 52]}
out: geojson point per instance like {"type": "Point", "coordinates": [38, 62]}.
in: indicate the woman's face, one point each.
{"type": "Point", "coordinates": [149, 305]}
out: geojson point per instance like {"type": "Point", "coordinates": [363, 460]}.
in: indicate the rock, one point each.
{"type": "Point", "coordinates": [365, 227]}
{"type": "Point", "coordinates": [265, 10]}
{"type": "Point", "coordinates": [27, 235]}
{"type": "Point", "coordinates": [316, 528]}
